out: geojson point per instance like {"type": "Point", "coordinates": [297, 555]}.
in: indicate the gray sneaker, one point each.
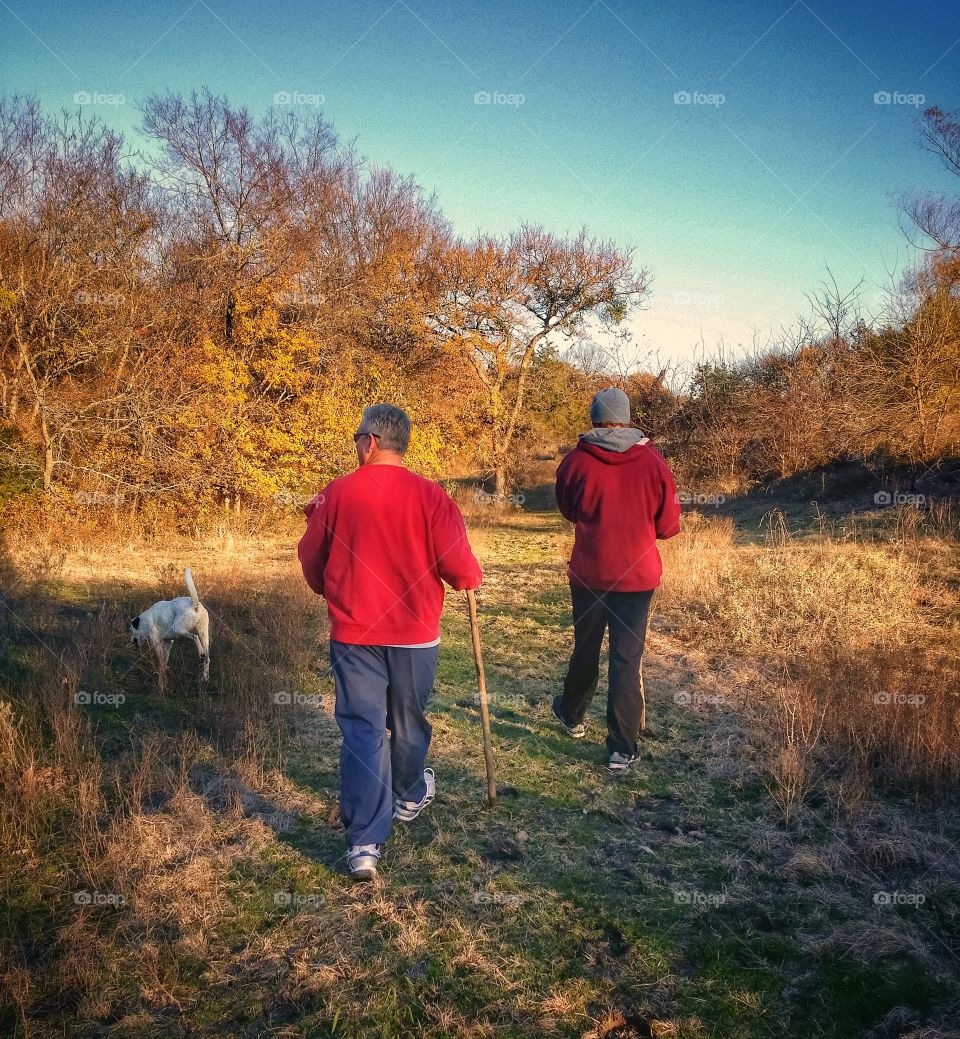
{"type": "Point", "coordinates": [362, 860]}
{"type": "Point", "coordinates": [407, 811]}
{"type": "Point", "coordinates": [621, 762]}
{"type": "Point", "coordinates": [575, 732]}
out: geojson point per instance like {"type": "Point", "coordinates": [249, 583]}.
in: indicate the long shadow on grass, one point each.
{"type": "Point", "coordinates": [597, 904]}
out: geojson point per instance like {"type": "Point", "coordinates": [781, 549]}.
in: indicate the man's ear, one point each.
{"type": "Point", "coordinates": [372, 450]}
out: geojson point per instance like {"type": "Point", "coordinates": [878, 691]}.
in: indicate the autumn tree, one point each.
{"type": "Point", "coordinates": [77, 223]}
{"type": "Point", "coordinates": [249, 198]}
{"type": "Point", "coordinates": [248, 205]}
{"type": "Point", "coordinates": [305, 273]}
{"type": "Point", "coordinates": [504, 297]}
{"type": "Point", "coordinates": [907, 379]}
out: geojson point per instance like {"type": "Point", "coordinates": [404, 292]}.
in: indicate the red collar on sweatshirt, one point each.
{"type": "Point", "coordinates": [379, 544]}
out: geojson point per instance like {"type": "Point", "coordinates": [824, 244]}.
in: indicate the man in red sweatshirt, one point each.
{"type": "Point", "coordinates": [617, 489]}
{"type": "Point", "coordinates": [379, 544]}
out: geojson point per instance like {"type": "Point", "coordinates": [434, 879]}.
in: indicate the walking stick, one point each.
{"type": "Point", "coordinates": [482, 689]}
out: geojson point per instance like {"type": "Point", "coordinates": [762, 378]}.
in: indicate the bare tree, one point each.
{"type": "Point", "coordinates": [937, 216]}
{"type": "Point", "coordinates": [75, 226]}
{"type": "Point", "coordinates": [252, 197]}
{"type": "Point", "coordinates": [502, 298]}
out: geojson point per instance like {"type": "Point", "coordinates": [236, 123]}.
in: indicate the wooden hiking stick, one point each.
{"type": "Point", "coordinates": [482, 690]}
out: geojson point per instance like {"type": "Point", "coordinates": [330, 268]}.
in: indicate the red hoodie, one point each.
{"type": "Point", "coordinates": [379, 544]}
{"type": "Point", "coordinates": [621, 503]}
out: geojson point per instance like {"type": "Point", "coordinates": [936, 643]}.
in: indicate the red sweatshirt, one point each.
{"type": "Point", "coordinates": [621, 503]}
{"type": "Point", "coordinates": [377, 544]}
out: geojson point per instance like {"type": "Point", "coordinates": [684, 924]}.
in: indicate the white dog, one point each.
{"type": "Point", "coordinates": [182, 618]}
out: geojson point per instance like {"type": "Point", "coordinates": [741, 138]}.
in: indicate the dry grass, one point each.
{"type": "Point", "coordinates": [196, 806]}
{"type": "Point", "coordinates": [856, 638]}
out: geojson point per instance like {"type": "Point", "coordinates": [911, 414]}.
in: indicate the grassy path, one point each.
{"type": "Point", "coordinates": [584, 904]}
{"type": "Point", "coordinates": [577, 905]}
{"type": "Point", "coordinates": [666, 902]}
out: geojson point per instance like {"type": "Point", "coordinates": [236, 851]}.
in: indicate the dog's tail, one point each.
{"type": "Point", "coordinates": [191, 587]}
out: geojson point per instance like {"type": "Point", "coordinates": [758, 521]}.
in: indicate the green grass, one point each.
{"type": "Point", "coordinates": [582, 904]}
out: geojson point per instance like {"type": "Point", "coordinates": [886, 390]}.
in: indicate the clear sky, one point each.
{"type": "Point", "coordinates": [739, 147]}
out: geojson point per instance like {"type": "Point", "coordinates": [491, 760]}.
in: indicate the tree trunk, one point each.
{"type": "Point", "coordinates": [228, 317]}
{"type": "Point", "coordinates": [47, 454]}
{"type": "Point", "coordinates": [500, 482]}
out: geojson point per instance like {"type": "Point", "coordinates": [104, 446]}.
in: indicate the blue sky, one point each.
{"type": "Point", "coordinates": [738, 148]}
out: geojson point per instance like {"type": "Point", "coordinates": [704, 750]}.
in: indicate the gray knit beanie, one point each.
{"type": "Point", "coordinates": [610, 405]}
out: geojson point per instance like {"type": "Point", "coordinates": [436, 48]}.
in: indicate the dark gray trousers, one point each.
{"type": "Point", "coordinates": [625, 613]}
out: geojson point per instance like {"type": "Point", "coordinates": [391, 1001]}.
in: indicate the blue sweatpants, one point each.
{"type": "Point", "coordinates": [380, 688]}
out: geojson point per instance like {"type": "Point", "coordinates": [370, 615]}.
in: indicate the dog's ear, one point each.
{"type": "Point", "coordinates": [134, 622]}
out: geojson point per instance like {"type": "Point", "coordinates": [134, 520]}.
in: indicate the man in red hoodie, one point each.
{"type": "Point", "coordinates": [379, 544]}
{"type": "Point", "coordinates": [620, 493]}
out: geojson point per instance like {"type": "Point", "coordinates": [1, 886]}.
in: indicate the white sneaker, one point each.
{"type": "Point", "coordinates": [362, 861]}
{"type": "Point", "coordinates": [407, 811]}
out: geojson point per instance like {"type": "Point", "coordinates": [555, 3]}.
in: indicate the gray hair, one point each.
{"type": "Point", "coordinates": [391, 424]}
